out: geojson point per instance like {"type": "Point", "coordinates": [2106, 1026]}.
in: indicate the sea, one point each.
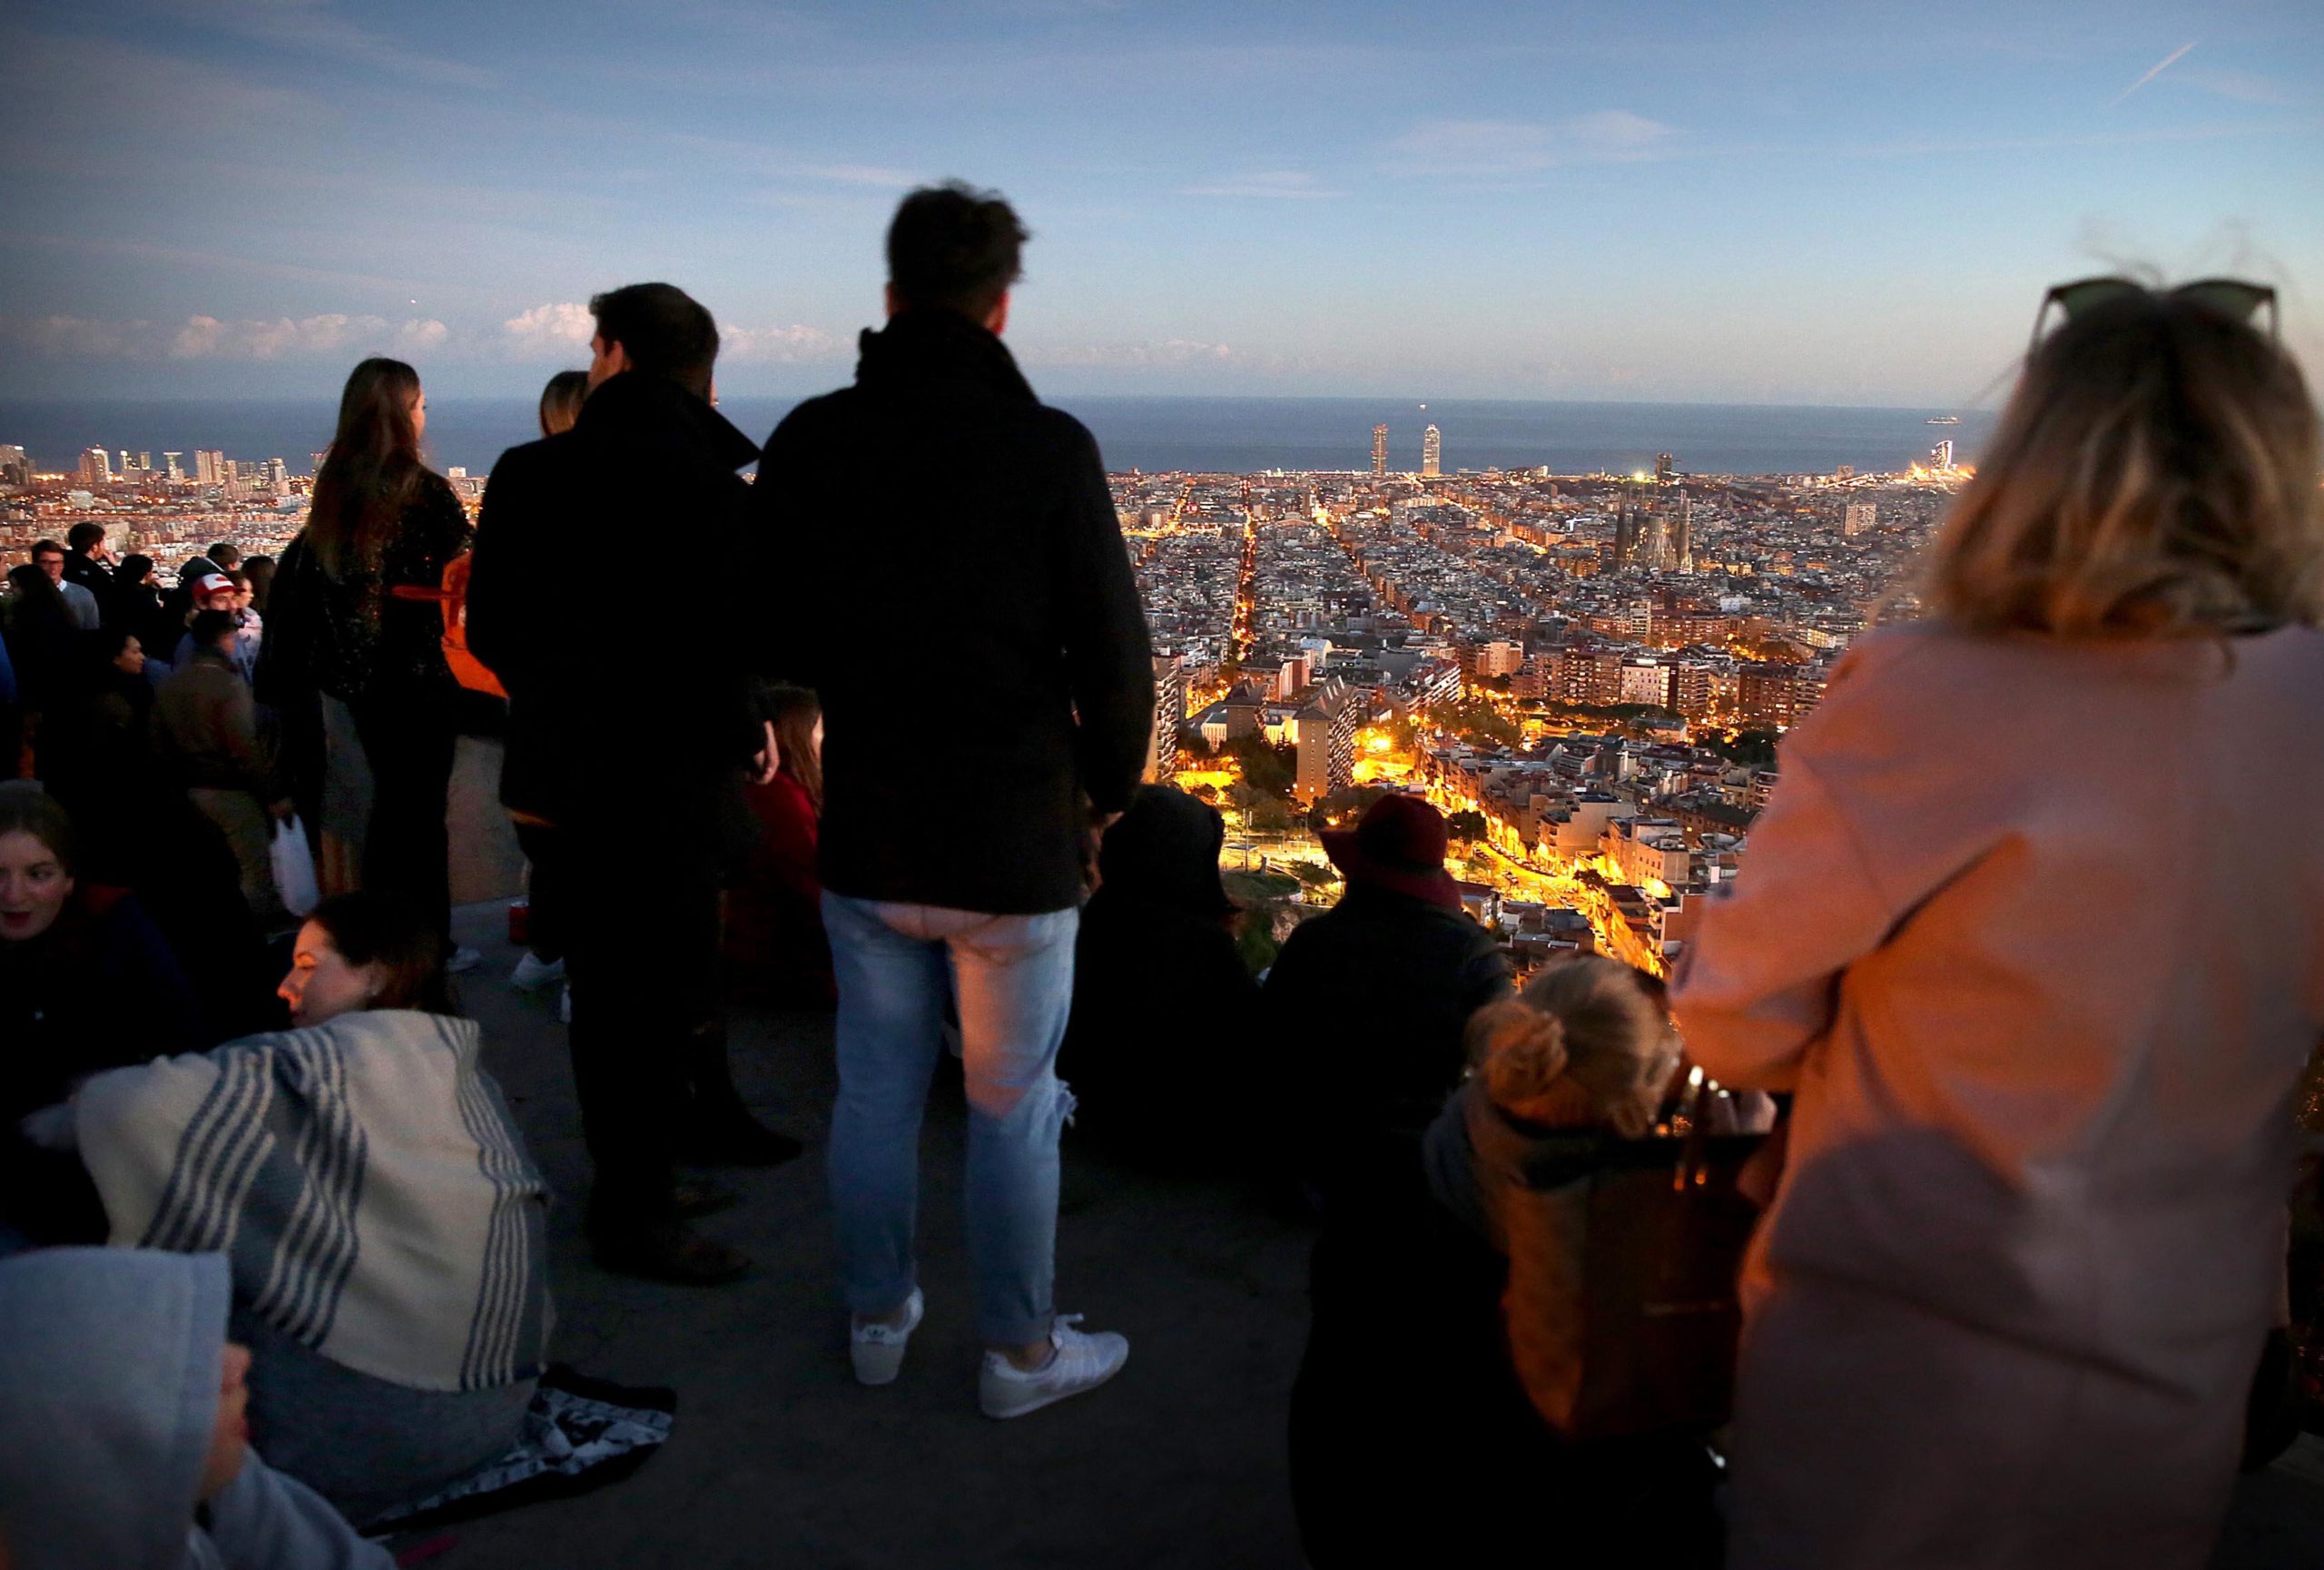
{"type": "Point", "coordinates": [1152, 435]}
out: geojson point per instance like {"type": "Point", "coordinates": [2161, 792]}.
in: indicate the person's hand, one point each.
{"type": "Point", "coordinates": [768, 761]}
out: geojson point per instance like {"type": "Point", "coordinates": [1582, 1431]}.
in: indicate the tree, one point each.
{"type": "Point", "coordinates": [1468, 825]}
{"type": "Point", "coordinates": [1265, 767]}
{"type": "Point", "coordinates": [1344, 806]}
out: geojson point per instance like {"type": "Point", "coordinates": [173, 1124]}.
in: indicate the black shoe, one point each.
{"type": "Point", "coordinates": [736, 1139]}
{"type": "Point", "coordinates": [668, 1251]}
{"type": "Point", "coordinates": [694, 1197]}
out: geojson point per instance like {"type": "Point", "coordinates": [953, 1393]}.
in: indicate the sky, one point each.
{"type": "Point", "coordinates": [1721, 203]}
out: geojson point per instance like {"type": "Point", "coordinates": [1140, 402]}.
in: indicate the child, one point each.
{"type": "Point", "coordinates": [123, 1440]}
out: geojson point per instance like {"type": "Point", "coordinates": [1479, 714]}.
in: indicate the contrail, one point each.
{"type": "Point", "coordinates": [2167, 62]}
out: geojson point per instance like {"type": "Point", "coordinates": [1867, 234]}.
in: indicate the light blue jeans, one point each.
{"type": "Point", "coordinates": [1013, 977]}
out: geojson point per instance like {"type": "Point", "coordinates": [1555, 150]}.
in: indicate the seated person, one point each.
{"type": "Point", "coordinates": [1366, 1003]}
{"type": "Point", "coordinates": [776, 950]}
{"type": "Point", "coordinates": [123, 1441]}
{"type": "Point", "coordinates": [86, 984]}
{"type": "Point", "coordinates": [210, 742]}
{"type": "Point", "coordinates": [1163, 1013]}
{"type": "Point", "coordinates": [1487, 1271]}
{"type": "Point", "coordinates": [397, 1341]}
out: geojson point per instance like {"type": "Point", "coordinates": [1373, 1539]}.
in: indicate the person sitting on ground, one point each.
{"type": "Point", "coordinates": [776, 949]}
{"type": "Point", "coordinates": [1368, 1002]}
{"type": "Point", "coordinates": [79, 602]}
{"type": "Point", "coordinates": [126, 1443]}
{"type": "Point", "coordinates": [2026, 929]}
{"type": "Point", "coordinates": [105, 780]}
{"type": "Point", "coordinates": [87, 562]}
{"type": "Point", "coordinates": [398, 1342]}
{"type": "Point", "coordinates": [135, 605]}
{"type": "Point", "coordinates": [226, 593]}
{"type": "Point", "coordinates": [1164, 1013]}
{"type": "Point", "coordinates": [86, 984]}
{"type": "Point", "coordinates": [1486, 1270]}
{"type": "Point", "coordinates": [42, 643]}
{"type": "Point", "coordinates": [211, 741]}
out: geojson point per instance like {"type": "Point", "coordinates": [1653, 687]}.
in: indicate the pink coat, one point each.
{"type": "Point", "coordinates": [2035, 932]}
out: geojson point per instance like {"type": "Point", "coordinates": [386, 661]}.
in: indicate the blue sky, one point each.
{"type": "Point", "coordinates": [1727, 202]}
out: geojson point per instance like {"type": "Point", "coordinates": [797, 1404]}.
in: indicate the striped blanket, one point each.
{"type": "Point", "coordinates": [362, 1177]}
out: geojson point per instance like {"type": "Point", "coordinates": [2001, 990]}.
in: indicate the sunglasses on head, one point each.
{"type": "Point", "coordinates": [2230, 297]}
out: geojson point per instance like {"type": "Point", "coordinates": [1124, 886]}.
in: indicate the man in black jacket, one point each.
{"type": "Point", "coordinates": [955, 587]}
{"type": "Point", "coordinates": [633, 761]}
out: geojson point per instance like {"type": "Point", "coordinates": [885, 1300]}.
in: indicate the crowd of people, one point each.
{"type": "Point", "coordinates": [2001, 1026]}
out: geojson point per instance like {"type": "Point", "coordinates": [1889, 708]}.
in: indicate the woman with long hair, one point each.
{"type": "Point", "coordinates": [398, 1341]}
{"type": "Point", "coordinates": [2026, 932]}
{"type": "Point", "coordinates": [357, 622]}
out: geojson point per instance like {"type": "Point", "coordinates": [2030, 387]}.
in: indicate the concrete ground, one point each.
{"type": "Point", "coordinates": [778, 1459]}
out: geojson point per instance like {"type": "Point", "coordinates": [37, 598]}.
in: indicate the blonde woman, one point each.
{"type": "Point", "coordinates": [2033, 930]}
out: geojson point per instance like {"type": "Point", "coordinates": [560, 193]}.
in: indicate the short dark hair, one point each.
{"type": "Point", "coordinates": [42, 547]}
{"type": "Point", "coordinates": [225, 553]}
{"type": "Point", "coordinates": [82, 535]}
{"type": "Point", "coordinates": [664, 330]}
{"type": "Point", "coordinates": [954, 248]}
{"type": "Point", "coordinates": [209, 625]}
{"type": "Point", "coordinates": [371, 928]}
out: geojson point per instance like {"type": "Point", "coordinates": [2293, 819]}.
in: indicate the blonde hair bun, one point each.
{"type": "Point", "coordinates": [1522, 1050]}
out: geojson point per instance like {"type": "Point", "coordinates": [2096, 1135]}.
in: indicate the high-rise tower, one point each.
{"type": "Point", "coordinates": [1664, 464]}
{"type": "Point", "coordinates": [1431, 452]}
{"type": "Point", "coordinates": [1379, 449]}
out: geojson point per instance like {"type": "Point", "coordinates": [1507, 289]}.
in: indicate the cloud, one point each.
{"type": "Point", "coordinates": [1164, 352]}
{"type": "Point", "coordinates": [77, 337]}
{"type": "Point", "coordinates": [792, 345]}
{"type": "Point", "coordinates": [874, 174]}
{"type": "Point", "coordinates": [206, 337]}
{"type": "Point", "coordinates": [2157, 69]}
{"type": "Point", "coordinates": [2242, 86]}
{"type": "Point", "coordinates": [1487, 148]}
{"type": "Point", "coordinates": [1290, 184]}
{"type": "Point", "coordinates": [551, 326]}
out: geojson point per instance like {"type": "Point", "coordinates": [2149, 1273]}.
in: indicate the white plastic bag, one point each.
{"type": "Point", "coordinates": [294, 868]}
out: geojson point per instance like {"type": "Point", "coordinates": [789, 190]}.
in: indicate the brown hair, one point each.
{"type": "Point", "coordinates": [375, 929]}
{"type": "Point", "coordinates": [1585, 1040]}
{"type": "Point", "coordinates": [795, 711]}
{"type": "Point", "coordinates": [26, 808]}
{"type": "Point", "coordinates": [371, 471]}
{"type": "Point", "coordinates": [2155, 475]}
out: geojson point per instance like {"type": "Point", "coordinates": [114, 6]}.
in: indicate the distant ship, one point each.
{"type": "Point", "coordinates": [1945, 420]}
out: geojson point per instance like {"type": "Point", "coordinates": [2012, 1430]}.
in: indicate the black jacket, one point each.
{"type": "Point", "coordinates": [1366, 1003]}
{"type": "Point", "coordinates": [952, 581]}
{"type": "Point", "coordinates": [616, 710]}
{"type": "Point", "coordinates": [354, 636]}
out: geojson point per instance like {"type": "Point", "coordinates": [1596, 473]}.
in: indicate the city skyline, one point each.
{"type": "Point", "coordinates": [1678, 204]}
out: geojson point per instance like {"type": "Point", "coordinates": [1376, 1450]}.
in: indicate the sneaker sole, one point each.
{"type": "Point", "coordinates": [876, 1365]}
{"type": "Point", "coordinates": [1048, 1398]}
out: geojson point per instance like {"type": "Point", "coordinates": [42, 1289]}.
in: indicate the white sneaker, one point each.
{"type": "Point", "coordinates": [463, 960]}
{"type": "Point", "coordinates": [532, 974]}
{"type": "Point", "coordinates": [878, 1349]}
{"type": "Point", "coordinates": [564, 1005]}
{"type": "Point", "coordinates": [1080, 1362]}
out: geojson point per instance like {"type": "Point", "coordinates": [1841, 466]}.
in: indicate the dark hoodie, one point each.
{"type": "Point", "coordinates": [1163, 1011]}
{"type": "Point", "coordinates": [110, 1365]}
{"type": "Point", "coordinates": [661, 726]}
{"type": "Point", "coordinates": [950, 578]}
